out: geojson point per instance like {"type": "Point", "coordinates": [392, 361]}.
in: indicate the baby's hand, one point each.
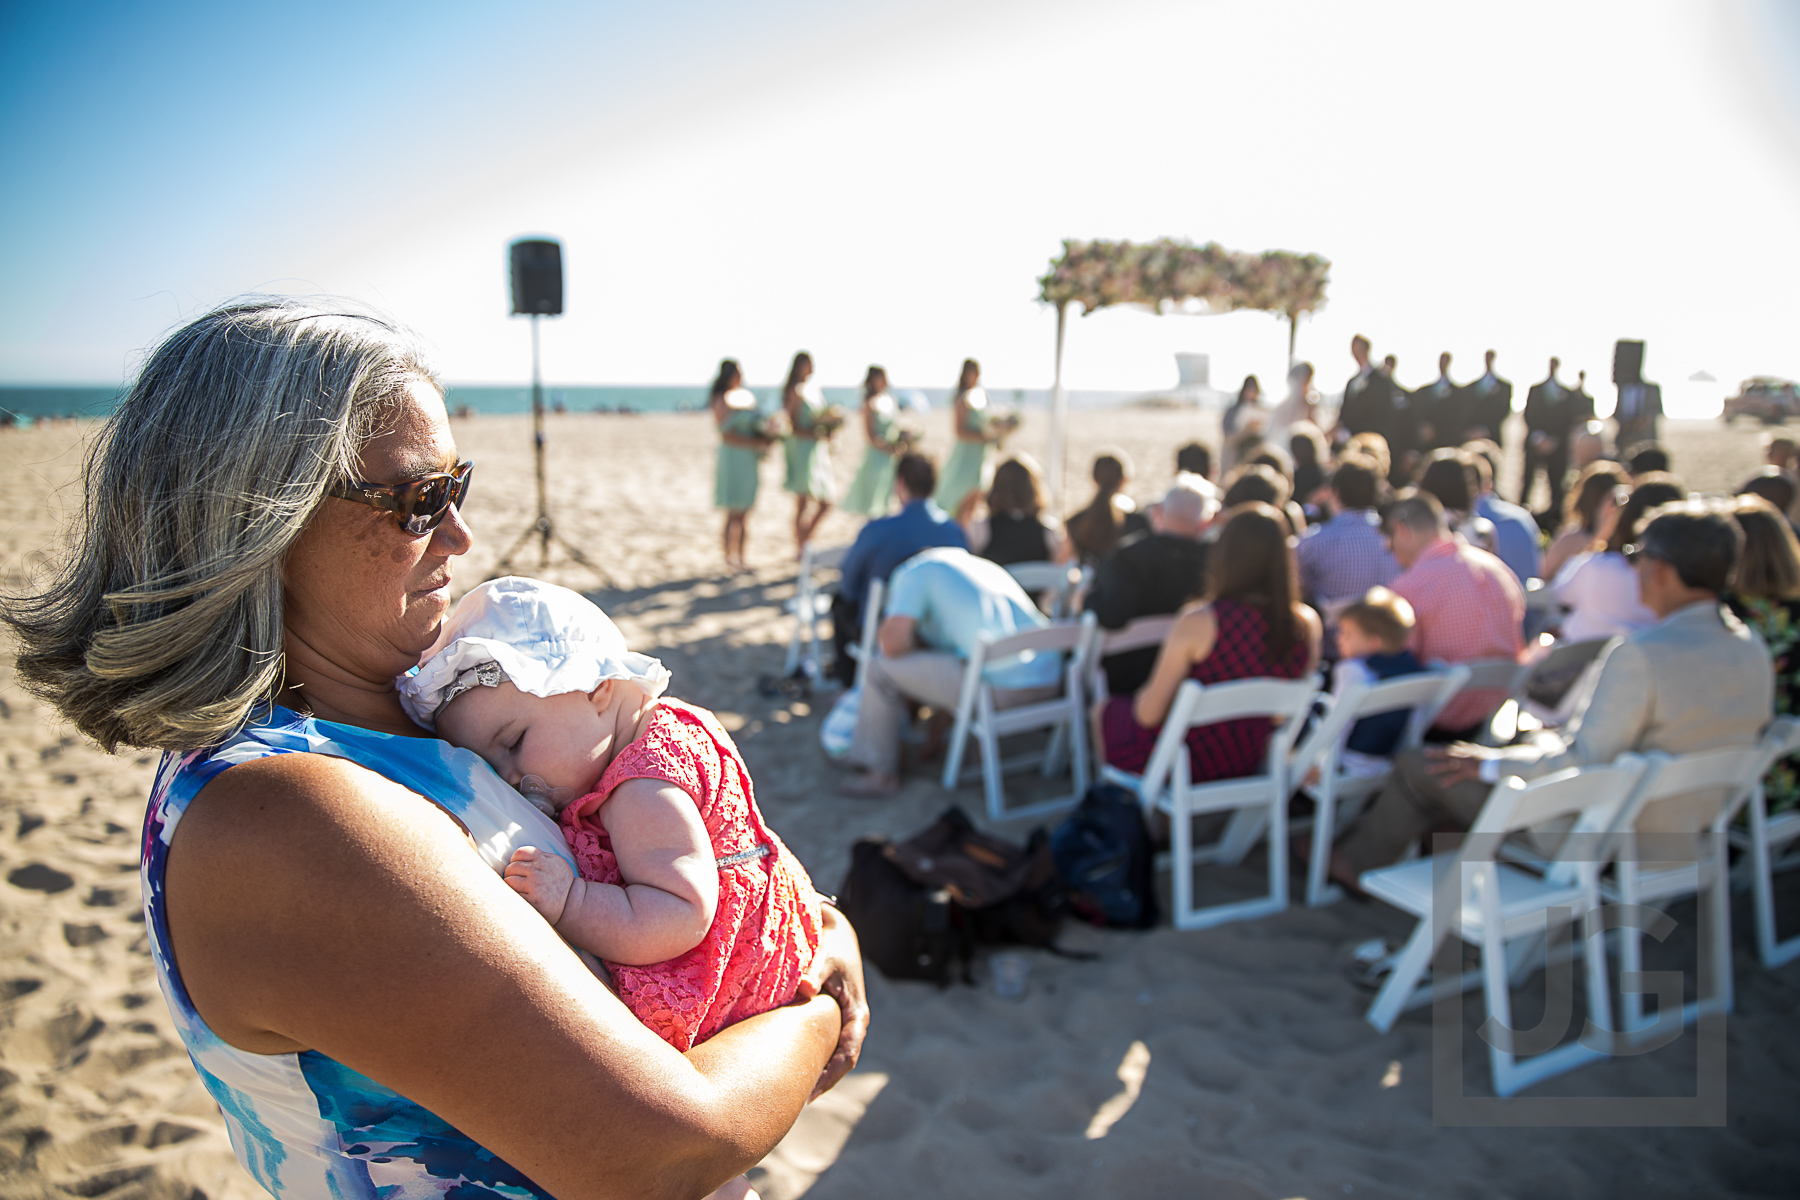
{"type": "Point", "coordinates": [543, 878]}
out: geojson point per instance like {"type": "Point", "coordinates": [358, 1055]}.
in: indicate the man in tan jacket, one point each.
{"type": "Point", "coordinates": [1697, 680]}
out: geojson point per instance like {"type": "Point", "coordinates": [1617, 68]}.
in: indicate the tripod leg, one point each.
{"type": "Point", "coordinates": [506, 560]}
{"type": "Point", "coordinates": [583, 559]}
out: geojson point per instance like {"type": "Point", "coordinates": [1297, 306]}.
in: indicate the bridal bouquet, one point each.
{"type": "Point", "coordinates": [1001, 424]}
{"type": "Point", "coordinates": [905, 441]}
{"type": "Point", "coordinates": [829, 421]}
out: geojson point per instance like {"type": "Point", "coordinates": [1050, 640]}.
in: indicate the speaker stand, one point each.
{"type": "Point", "coordinates": [544, 529]}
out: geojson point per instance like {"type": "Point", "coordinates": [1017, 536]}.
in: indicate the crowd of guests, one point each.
{"type": "Point", "coordinates": [1364, 548]}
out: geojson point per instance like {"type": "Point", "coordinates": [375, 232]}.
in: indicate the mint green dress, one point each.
{"type": "Point", "coordinates": [970, 467]}
{"type": "Point", "coordinates": [736, 478]}
{"type": "Point", "coordinates": [808, 459]}
{"type": "Point", "coordinates": [873, 486]}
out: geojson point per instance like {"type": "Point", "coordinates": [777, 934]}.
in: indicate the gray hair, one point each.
{"type": "Point", "coordinates": [163, 628]}
{"type": "Point", "coordinates": [1189, 503]}
{"type": "Point", "coordinates": [1418, 510]}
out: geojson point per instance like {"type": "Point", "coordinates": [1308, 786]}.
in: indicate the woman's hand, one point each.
{"type": "Point", "coordinates": [837, 971]}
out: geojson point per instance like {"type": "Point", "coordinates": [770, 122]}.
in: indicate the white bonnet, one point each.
{"type": "Point", "coordinates": [545, 639]}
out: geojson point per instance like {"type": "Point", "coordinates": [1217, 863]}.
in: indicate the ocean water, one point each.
{"type": "Point", "coordinates": [25, 404]}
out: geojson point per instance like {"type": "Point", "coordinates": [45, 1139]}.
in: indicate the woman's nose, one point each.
{"type": "Point", "coordinates": [453, 535]}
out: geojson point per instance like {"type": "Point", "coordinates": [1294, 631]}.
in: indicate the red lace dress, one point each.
{"type": "Point", "coordinates": [1228, 749]}
{"type": "Point", "coordinates": [766, 929]}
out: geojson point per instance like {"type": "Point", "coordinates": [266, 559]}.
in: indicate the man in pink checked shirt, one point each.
{"type": "Point", "coordinates": [1468, 604]}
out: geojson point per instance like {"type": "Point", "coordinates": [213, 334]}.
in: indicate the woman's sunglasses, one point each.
{"type": "Point", "coordinates": [419, 505]}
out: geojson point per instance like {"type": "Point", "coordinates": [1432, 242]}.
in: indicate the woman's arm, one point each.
{"type": "Point", "coordinates": [671, 889]}
{"type": "Point", "coordinates": [1313, 630]}
{"type": "Point", "coordinates": [313, 904]}
{"type": "Point", "coordinates": [1189, 641]}
{"type": "Point", "coordinates": [792, 404]}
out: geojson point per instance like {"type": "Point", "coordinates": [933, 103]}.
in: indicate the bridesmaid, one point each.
{"type": "Point", "coordinates": [873, 486]}
{"type": "Point", "coordinates": [808, 460]}
{"type": "Point", "coordinates": [969, 471]}
{"type": "Point", "coordinates": [742, 446]}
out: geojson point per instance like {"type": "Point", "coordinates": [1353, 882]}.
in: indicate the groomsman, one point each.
{"type": "Point", "coordinates": [1552, 414]}
{"type": "Point", "coordinates": [1368, 404]}
{"type": "Point", "coordinates": [1486, 404]}
{"type": "Point", "coordinates": [1639, 408]}
{"type": "Point", "coordinates": [1439, 415]}
{"type": "Point", "coordinates": [1407, 441]}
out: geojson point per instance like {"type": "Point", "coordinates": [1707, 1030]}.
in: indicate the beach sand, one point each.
{"type": "Point", "coordinates": [1229, 1063]}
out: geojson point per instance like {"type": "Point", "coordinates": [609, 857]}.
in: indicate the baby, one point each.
{"type": "Point", "coordinates": [702, 915]}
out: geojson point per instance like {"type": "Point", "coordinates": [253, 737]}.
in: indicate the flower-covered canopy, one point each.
{"type": "Point", "coordinates": [1096, 274]}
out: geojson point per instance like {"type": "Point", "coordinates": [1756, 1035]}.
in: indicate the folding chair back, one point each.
{"type": "Point", "coordinates": [1504, 678]}
{"type": "Point", "coordinates": [978, 715]}
{"type": "Point", "coordinates": [810, 602]}
{"type": "Point", "coordinates": [1140, 634]}
{"type": "Point", "coordinates": [1258, 803]}
{"type": "Point", "coordinates": [1764, 840]}
{"type": "Point", "coordinates": [1046, 579]}
{"type": "Point", "coordinates": [1425, 694]}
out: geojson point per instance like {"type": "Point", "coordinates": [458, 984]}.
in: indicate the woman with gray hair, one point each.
{"type": "Point", "coordinates": [271, 521]}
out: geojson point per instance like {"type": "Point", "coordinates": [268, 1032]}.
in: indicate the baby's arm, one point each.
{"type": "Point", "coordinates": [671, 879]}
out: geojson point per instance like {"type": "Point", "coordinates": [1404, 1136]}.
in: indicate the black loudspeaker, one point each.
{"type": "Point", "coordinates": [1628, 362]}
{"type": "Point", "coordinates": [537, 278]}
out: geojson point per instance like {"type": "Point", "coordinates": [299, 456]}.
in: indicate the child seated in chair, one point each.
{"type": "Point", "coordinates": [1371, 636]}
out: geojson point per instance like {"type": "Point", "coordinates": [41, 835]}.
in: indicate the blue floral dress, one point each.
{"type": "Point", "coordinates": [303, 1124]}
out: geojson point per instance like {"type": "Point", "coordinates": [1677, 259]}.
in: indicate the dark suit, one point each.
{"type": "Point", "coordinates": [1438, 404]}
{"type": "Point", "coordinates": [1369, 407]}
{"type": "Point", "coordinates": [1148, 575]}
{"type": "Point", "coordinates": [1486, 404]}
{"type": "Point", "coordinates": [1553, 411]}
{"type": "Point", "coordinates": [1640, 405]}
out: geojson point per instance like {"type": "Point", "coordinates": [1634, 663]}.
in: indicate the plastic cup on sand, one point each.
{"type": "Point", "coordinates": [1010, 970]}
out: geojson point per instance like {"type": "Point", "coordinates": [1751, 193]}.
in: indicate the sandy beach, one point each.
{"type": "Point", "coordinates": [1233, 1063]}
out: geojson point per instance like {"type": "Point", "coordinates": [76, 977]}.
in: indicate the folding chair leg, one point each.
{"type": "Point", "coordinates": [1078, 749]}
{"type": "Point", "coordinates": [989, 748]}
{"type": "Point", "coordinates": [1599, 986]}
{"type": "Point", "coordinates": [1769, 947]}
{"type": "Point", "coordinates": [953, 758]}
{"type": "Point", "coordinates": [1181, 862]}
{"type": "Point", "coordinates": [1631, 959]}
{"type": "Point", "coordinates": [1319, 892]}
{"type": "Point", "coordinates": [1414, 958]}
{"type": "Point", "coordinates": [1497, 990]}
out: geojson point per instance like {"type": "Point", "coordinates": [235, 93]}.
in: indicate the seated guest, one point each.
{"type": "Point", "coordinates": [1097, 529]}
{"type": "Point", "coordinates": [1467, 606]}
{"type": "Point", "coordinates": [1515, 529]}
{"type": "Point", "coordinates": [1259, 483]}
{"type": "Point", "coordinates": [1598, 587]}
{"type": "Point", "coordinates": [1589, 511]}
{"type": "Point", "coordinates": [1194, 459]}
{"type": "Point", "coordinates": [1774, 485]}
{"type": "Point", "coordinates": [1646, 458]}
{"type": "Point", "coordinates": [1765, 595]}
{"type": "Point", "coordinates": [1374, 446]}
{"type": "Point", "coordinates": [1371, 640]}
{"type": "Point", "coordinates": [1449, 475]}
{"type": "Point", "coordinates": [939, 603]}
{"type": "Point", "coordinates": [1251, 625]}
{"type": "Point", "coordinates": [1154, 573]}
{"type": "Point", "coordinates": [1781, 451]}
{"type": "Point", "coordinates": [1697, 680]}
{"type": "Point", "coordinates": [1016, 528]}
{"type": "Point", "coordinates": [1346, 556]}
{"type": "Point", "coordinates": [1310, 453]}
{"type": "Point", "coordinates": [884, 544]}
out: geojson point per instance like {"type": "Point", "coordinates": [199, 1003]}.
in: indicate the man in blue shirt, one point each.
{"type": "Point", "coordinates": [939, 604]}
{"type": "Point", "coordinates": [1515, 529]}
{"type": "Point", "coordinates": [884, 544]}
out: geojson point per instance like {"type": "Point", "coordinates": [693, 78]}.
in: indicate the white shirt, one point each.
{"type": "Point", "coordinates": [1601, 589]}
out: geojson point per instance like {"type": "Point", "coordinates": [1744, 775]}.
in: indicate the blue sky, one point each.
{"type": "Point", "coordinates": [882, 181]}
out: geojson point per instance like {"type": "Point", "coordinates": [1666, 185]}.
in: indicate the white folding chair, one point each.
{"type": "Point", "coordinates": [1066, 715]}
{"type": "Point", "coordinates": [810, 603]}
{"type": "Point", "coordinates": [1507, 678]}
{"type": "Point", "coordinates": [1731, 774]}
{"type": "Point", "coordinates": [1047, 581]}
{"type": "Point", "coordinates": [1495, 903]}
{"type": "Point", "coordinates": [1770, 844]}
{"type": "Point", "coordinates": [1139, 634]}
{"type": "Point", "coordinates": [1338, 798]}
{"type": "Point", "coordinates": [865, 649]}
{"type": "Point", "coordinates": [1258, 803]}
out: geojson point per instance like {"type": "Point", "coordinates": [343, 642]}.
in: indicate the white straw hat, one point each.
{"type": "Point", "coordinates": [544, 639]}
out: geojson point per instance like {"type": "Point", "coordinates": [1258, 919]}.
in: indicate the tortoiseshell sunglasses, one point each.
{"type": "Point", "coordinates": [418, 505]}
